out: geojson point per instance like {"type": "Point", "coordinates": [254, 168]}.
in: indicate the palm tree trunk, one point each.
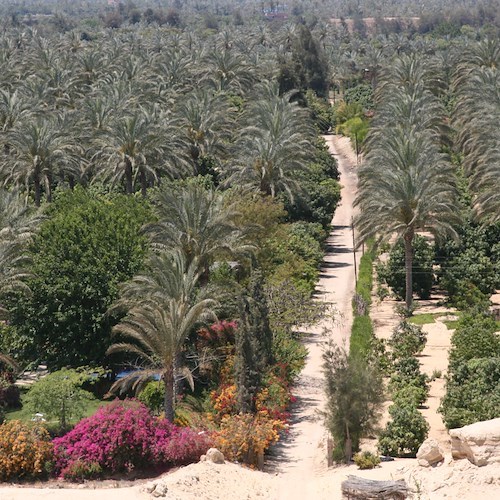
{"type": "Point", "coordinates": [408, 239]}
{"type": "Point", "coordinates": [144, 183]}
{"type": "Point", "coordinates": [38, 190]}
{"type": "Point", "coordinates": [128, 176]}
{"type": "Point", "coordinates": [168, 403]}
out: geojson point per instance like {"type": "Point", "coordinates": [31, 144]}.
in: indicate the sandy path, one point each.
{"type": "Point", "coordinates": [301, 457]}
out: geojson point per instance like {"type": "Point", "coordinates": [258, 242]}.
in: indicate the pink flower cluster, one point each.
{"type": "Point", "coordinates": [124, 436]}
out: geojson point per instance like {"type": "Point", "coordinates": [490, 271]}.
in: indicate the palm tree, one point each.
{"type": "Point", "coordinates": [275, 145]}
{"type": "Point", "coordinates": [477, 86]}
{"type": "Point", "coordinates": [406, 185]}
{"type": "Point", "coordinates": [200, 222]}
{"type": "Point", "coordinates": [161, 312]}
{"type": "Point", "coordinates": [206, 119]}
{"type": "Point", "coordinates": [140, 146]}
{"type": "Point", "coordinates": [40, 151]}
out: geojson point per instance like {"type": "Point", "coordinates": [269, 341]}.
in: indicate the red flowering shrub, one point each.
{"type": "Point", "coordinates": [121, 437]}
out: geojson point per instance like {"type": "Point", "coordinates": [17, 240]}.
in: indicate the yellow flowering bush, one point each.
{"type": "Point", "coordinates": [245, 437]}
{"type": "Point", "coordinates": [25, 450]}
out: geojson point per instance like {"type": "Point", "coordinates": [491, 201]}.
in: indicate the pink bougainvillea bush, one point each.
{"type": "Point", "coordinates": [124, 436]}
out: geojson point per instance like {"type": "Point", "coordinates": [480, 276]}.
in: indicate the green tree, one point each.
{"type": "Point", "coordinates": [131, 149]}
{"type": "Point", "coordinates": [254, 342]}
{"type": "Point", "coordinates": [274, 146]}
{"type": "Point", "coordinates": [472, 392]}
{"type": "Point", "coordinates": [406, 185]}
{"type": "Point", "coordinates": [404, 433]}
{"type": "Point", "coordinates": [85, 248]}
{"type": "Point", "coordinates": [161, 312]}
{"type": "Point", "coordinates": [354, 393]}
{"type": "Point", "coordinates": [307, 66]}
{"type": "Point", "coordinates": [59, 396]}
{"type": "Point", "coordinates": [474, 337]}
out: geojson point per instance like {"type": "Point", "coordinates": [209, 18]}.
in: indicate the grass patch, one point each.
{"type": "Point", "coordinates": [424, 319]}
{"type": "Point", "coordinates": [25, 416]}
{"type": "Point", "coordinates": [451, 325]}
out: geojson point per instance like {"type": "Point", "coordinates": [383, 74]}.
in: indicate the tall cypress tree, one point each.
{"type": "Point", "coordinates": [253, 344]}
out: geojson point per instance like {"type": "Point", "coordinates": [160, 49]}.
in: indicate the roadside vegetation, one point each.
{"type": "Point", "coordinates": [165, 198]}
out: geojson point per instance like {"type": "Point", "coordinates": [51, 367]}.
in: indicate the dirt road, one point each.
{"type": "Point", "coordinates": [301, 457]}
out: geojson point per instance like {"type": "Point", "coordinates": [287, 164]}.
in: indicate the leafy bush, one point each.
{"type": "Point", "coordinates": [407, 340]}
{"type": "Point", "coordinates": [246, 437]}
{"type": "Point", "coordinates": [80, 470]}
{"type": "Point", "coordinates": [407, 374]}
{"type": "Point", "coordinates": [321, 111]}
{"type": "Point", "coordinates": [153, 396]}
{"type": "Point", "coordinates": [290, 352]}
{"type": "Point", "coordinates": [122, 436]}
{"type": "Point", "coordinates": [25, 451]}
{"type": "Point", "coordinates": [361, 94]}
{"type": "Point", "coordinates": [394, 275]}
{"type": "Point", "coordinates": [366, 460]}
{"type": "Point", "coordinates": [409, 395]}
{"type": "Point", "coordinates": [474, 337]}
{"type": "Point", "coordinates": [59, 396]}
{"type": "Point", "coordinates": [404, 433]}
{"type": "Point", "coordinates": [472, 392]}
{"type": "Point", "coordinates": [470, 265]}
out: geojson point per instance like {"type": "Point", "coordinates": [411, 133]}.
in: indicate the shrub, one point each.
{"type": "Point", "coordinates": [472, 393]}
{"type": "Point", "coordinates": [361, 336]}
{"type": "Point", "coordinates": [474, 337]}
{"type": "Point", "coordinates": [290, 352]}
{"type": "Point", "coordinates": [361, 94]}
{"type": "Point", "coordinates": [246, 437]}
{"type": "Point", "coordinates": [407, 340]}
{"type": "Point", "coordinates": [404, 434]}
{"type": "Point", "coordinates": [122, 436]}
{"type": "Point", "coordinates": [366, 460]}
{"type": "Point", "coordinates": [365, 277]}
{"type": "Point", "coordinates": [153, 396]}
{"type": "Point", "coordinates": [80, 470]}
{"type": "Point", "coordinates": [394, 275]}
{"type": "Point", "coordinates": [409, 395]}
{"type": "Point", "coordinates": [59, 396]}
{"type": "Point", "coordinates": [25, 451]}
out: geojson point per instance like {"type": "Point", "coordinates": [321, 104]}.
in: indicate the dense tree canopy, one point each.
{"type": "Point", "coordinates": [88, 244]}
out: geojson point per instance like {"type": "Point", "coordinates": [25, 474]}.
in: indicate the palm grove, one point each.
{"type": "Point", "coordinates": [166, 197]}
{"type": "Point", "coordinates": [164, 210]}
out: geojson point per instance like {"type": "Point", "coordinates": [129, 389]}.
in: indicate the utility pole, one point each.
{"type": "Point", "coordinates": [354, 252]}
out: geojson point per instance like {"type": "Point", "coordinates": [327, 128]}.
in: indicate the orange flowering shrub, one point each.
{"type": "Point", "coordinates": [245, 437]}
{"type": "Point", "coordinates": [24, 450]}
{"type": "Point", "coordinates": [224, 400]}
